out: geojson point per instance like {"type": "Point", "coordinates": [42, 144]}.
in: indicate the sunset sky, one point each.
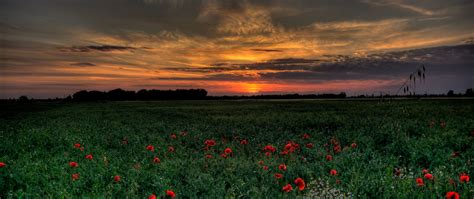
{"type": "Point", "coordinates": [52, 48]}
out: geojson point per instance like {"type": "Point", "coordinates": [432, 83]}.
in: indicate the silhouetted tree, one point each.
{"type": "Point", "coordinates": [450, 93]}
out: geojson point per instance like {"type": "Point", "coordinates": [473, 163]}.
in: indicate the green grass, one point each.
{"type": "Point", "coordinates": [36, 143]}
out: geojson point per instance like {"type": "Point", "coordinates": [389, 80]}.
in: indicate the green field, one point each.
{"type": "Point", "coordinates": [394, 142]}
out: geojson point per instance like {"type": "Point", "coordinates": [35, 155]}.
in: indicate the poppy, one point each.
{"type": "Point", "coordinates": [287, 188]}
{"type": "Point", "coordinates": [337, 148]}
{"type": "Point", "coordinates": [117, 178]}
{"type": "Point", "coordinates": [429, 176]}
{"type": "Point", "coordinates": [269, 148]}
{"type": "Point", "coordinates": [227, 151]}
{"type": "Point", "coordinates": [152, 196]}
{"type": "Point", "coordinates": [300, 183]}
{"type": "Point", "coordinates": [244, 142]}
{"type": "Point", "coordinates": [452, 195]}
{"type": "Point", "coordinates": [82, 149]}
{"type": "Point", "coordinates": [173, 136]}
{"type": "Point", "coordinates": [75, 176]}
{"type": "Point", "coordinates": [73, 164]}
{"type": "Point", "coordinates": [282, 167]}
{"type": "Point", "coordinates": [171, 149]}
{"type": "Point", "coordinates": [261, 162]}
{"type": "Point", "coordinates": [464, 178]}
{"type": "Point", "coordinates": [156, 160]}
{"type": "Point", "coordinates": [89, 157]}
{"type": "Point", "coordinates": [265, 168]}
{"type": "Point", "coordinates": [397, 171]}
{"type": "Point", "coordinates": [425, 171]}
{"type": "Point", "coordinates": [268, 153]}
{"type": "Point", "coordinates": [224, 155]}
{"type": "Point", "coordinates": [170, 193]}
{"type": "Point", "coordinates": [310, 145]}
{"type": "Point", "coordinates": [333, 172]}
{"type": "Point", "coordinates": [419, 182]}
{"type": "Point", "coordinates": [278, 175]}
{"type": "Point", "coordinates": [150, 148]}
{"type": "Point", "coordinates": [210, 143]}
{"type": "Point", "coordinates": [306, 136]}
{"type": "Point", "coordinates": [329, 157]}
{"type": "Point", "coordinates": [354, 145]}
{"type": "Point", "coordinates": [77, 145]}
{"type": "Point", "coordinates": [2, 164]}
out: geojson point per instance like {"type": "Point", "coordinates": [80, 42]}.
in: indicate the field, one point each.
{"type": "Point", "coordinates": [358, 149]}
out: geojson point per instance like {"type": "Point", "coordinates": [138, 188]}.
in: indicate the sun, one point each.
{"type": "Point", "coordinates": [251, 87]}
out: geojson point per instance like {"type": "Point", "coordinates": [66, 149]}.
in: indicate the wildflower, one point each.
{"type": "Point", "coordinates": [419, 182]}
{"type": "Point", "coordinates": [464, 178]}
{"type": "Point", "coordinates": [333, 172]}
{"type": "Point", "coordinates": [287, 188]}
{"type": "Point", "coordinates": [244, 142]}
{"type": "Point", "coordinates": [171, 149]}
{"type": "Point", "coordinates": [227, 151]}
{"type": "Point", "coordinates": [89, 157]}
{"type": "Point", "coordinates": [329, 157]}
{"type": "Point", "coordinates": [397, 171]}
{"type": "Point", "coordinates": [306, 136]}
{"type": "Point", "coordinates": [2, 164]}
{"type": "Point", "coordinates": [425, 171]}
{"type": "Point", "coordinates": [208, 156]}
{"type": "Point", "coordinates": [75, 176]}
{"type": "Point", "coordinates": [77, 145]}
{"type": "Point", "coordinates": [82, 149]}
{"type": "Point", "coordinates": [73, 164]}
{"type": "Point", "coordinates": [354, 145]}
{"type": "Point", "coordinates": [429, 176]}
{"type": "Point", "coordinates": [224, 155]}
{"type": "Point", "coordinates": [152, 196]}
{"type": "Point", "coordinates": [170, 193]}
{"type": "Point", "coordinates": [173, 136]}
{"type": "Point", "coordinates": [117, 178]}
{"type": "Point", "coordinates": [300, 183]}
{"type": "Point", "coordinates": [309, 145]}
{"type": "Point", "coordinates": [210, 143]}
{"type": "Point", "coordinates": [278, 175]}
{"type": "Point", "coordinates": [268, 153]}
{"type": "Point", "coordinates": [156, 160]}
{"type": "Point", "coordinates": [150, 148]}
{"type": "Point", "coordinates": [337, 148]}
{"type": "Point", "coordinates": [265, 168]}
{"type": "Point", "coordinates": [269, 148]}
{"type": "Point", "coordinates": [282, 167]}
{"type": "Point", "coordinates": [452, 195]}
{"type": "Point", "coordinates": [261, 162]}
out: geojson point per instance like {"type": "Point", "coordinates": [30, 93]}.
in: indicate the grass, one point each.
{"type": "Point", "coordinates": [37, 144]}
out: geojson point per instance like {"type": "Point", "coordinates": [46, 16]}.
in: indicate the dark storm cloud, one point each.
{"type": "Point", "coordinates": [103, 48]}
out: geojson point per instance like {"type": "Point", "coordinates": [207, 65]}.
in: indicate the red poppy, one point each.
{"type": "Point", "coordinates": [265, 168]}
{"type": "Point", "coordinates": [429, 176]}
{"type": "Point", "coordinates": [300, 183]}
{"type": "Point", "coordinates": [173, 136]}
{"type": "Point", "coordinates": [278, 175]}
{"type": "Point", "coordinates": [452, 195]}
{"type": "Point", "coordinates": [82, 149]}
{"type": "Point", "coordinates": [464, 178]}
{"type": "Point", "coordinates": [227, 151]}
{"type": "Point", "coordinates": [244, 142]}
{"type": "Point", "coordinates": [329, 157]}
{"type": "Point", "coordinates": [287, 188]}
{"type": "Point", "coordinates": [282, 167]}
{"type": "Point", "coordinates": [419, 182]}
{"type": "Point", "coordinates": [224, 155]}
{"type": "Point", "coordinates": [269, 148]}
{"type": "Point", "coordinates": [117, 178]}
{"type": "Point", "coordinates": [171, 149]}
{"type": "Point", "coordinates": [125, 141]}
{"type": "Point", "coordinates": [337, 148]}
{"type": "Point", "coordinates": [425, 171]}
{"type": "Point", "coordinates": [397, 172]}
{"type": "Point", "coordinates": [208, 156]}
{"type": "Point", "coordinates": [2, 164]}
{"type": "Point", "coordinates": [354, 145]}
{"type": "Point", "coordinates": [156, 160]}
{"type": "Point", "coordinates": [150, 148]}
{"type": "Point", "coordinates": [77, 145]}
{"type": "Point", "coordinates": [261, 162]}
{"type": "Point", "coordinates": [170, 193]}
{"type": "Point", "coordinates": [184, 133]}
{"type": "Point", "coordinates": [89, 156]}
{"type": "Point", "coordinates": [210, 143]}
{"type": "Point", "coordinates": [268, 153]}
{"type": "Point", "coordinates": [306, 136]}
{"type": "Point", "coordinates": [310, 145]}
{"type": "Point", "coordinates": [75, 176]}
{"type": "Point", "coordinates": [333, 172]}
{"type": "Point", "coordinates": [152, 196]}
{"type": "Point", "coordinates": [73, 164]}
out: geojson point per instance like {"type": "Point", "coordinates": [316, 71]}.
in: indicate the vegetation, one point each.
{"type": "Point", "coordinates": [237, 149]}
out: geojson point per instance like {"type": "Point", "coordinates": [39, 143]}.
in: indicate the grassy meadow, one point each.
{"type": "Point", "coordinates": [238, 149]}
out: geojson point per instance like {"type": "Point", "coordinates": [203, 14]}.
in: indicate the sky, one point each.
{"type": "Point", "coordinates": [53, 48]}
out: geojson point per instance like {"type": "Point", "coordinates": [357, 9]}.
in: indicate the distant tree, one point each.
{"type": "Point", "coordinates": [450, 93]}
{"type": "Point", "coordinates": [469, 93]}
{"type": "Point", "coordinates": [23, 98]}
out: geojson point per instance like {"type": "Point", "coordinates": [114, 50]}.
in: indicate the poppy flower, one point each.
{"type": "Point", "coordinates": [75, 176]}
{"type": "Point", "coordinates": [210, 143]}
{"type": "Point", "coordinates": [268, 153]}
{"type": "Point", "coordinates": [224, 155]}
{"type": "Point", "coordinates": [329, 157]}
{"type": "Point", "coordinates": [125, 141]}
{"type": "Point", "coordinates": [117, 178]}
{"type": "Point", "coordinates": [261, 162]}
{"type": "Point", "coordinates": [89, 157]}
{"type": "Point", "coordinates": [156, 160]}
{"type": "Point", "coordinates": [452, 195]}
{"type": "Point", "coordinates": [309, 145]}
{"type": "Point", "coordinates": [306, 136]}
{"type": "Point", "coordinates": [244, 142]}
{"type": "Point", "coordinates": [287, 188]}
{"type": "Point", "coordinates": [208, 156]}
{"type": "Point", "coordinates": [337, 149]}
{"type": "Point", "coordinates": [282, 167]}
{"type": "Point", "coordinates": [82, 149]}
{"type": "Point", "coordinates": [354, 145]}
{"type": "Point", "coordinates": [425, 171]}
{"type": "Point", "coordinates": [278, 175]}
{"type": "Point", "coordinates": [227, 151]}
{"type": "Point", "coordinates": [419, 182]}
{"type": "Point", "coordinates": [397, 172]}
{"type": "Point", "coordinates": [429, 176]}
{"type": "Point", "coordinates": [2, 164]}
{"type": "Point", "coordinates": [269, 148]}
{"type": "Point", "coordinates": [464, 178]}
{"type": "Point", "coordinates": [170, 193]}
{"type": "Point", "coordinates": [73, 164]}
{"type": "Point", "coordinates": [300, 183]}
{"type": "Point", "coordinates": [265, 168]}
{"type": "Point", "coordinates": [150, 148]}
{"type": "Point", "coordinates": [152, 196]}
{"type": "Point", "coordinates": [171, 149]}
{"type": "Point", "coordinates": [173, 136]}
{"type": "Point", "coordinates": [333, 172]}
{"type": "Point", "coordinates": [77, 145]}
{"type": "Point", "coordinates": [184, 133]}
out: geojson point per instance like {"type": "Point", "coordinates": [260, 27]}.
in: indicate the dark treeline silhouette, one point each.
{"type": "Point", "coordinates": [123, 95]}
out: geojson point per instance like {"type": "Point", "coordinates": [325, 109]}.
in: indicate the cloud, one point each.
{"type": "Point", "coordinates": [82, 64]}
{"type": "Point", "coordinates": [102, 48]}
